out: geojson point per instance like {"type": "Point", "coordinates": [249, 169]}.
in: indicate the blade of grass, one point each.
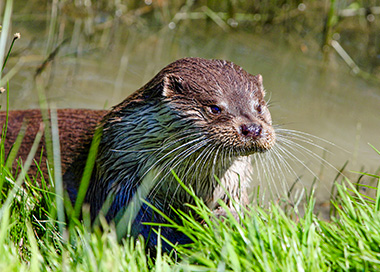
{"type": "Point", "coordinates": [15, 37]}
{"type": "Point", "coordinates": [46, 120]}
{"type": "Point", "coordinates": [134, 205]}
{"type": "Point", "coordinates": [377, 202]}
{"type": "Point", "coordinates": [4, 226]}
{"type": "Point", "coordinates": [5, 29]}
{"type": "Point", "coordinates": [16, 146]}
{"type": "Point", "coordinates": [57, 169]}
{"type": "Point", "coordinates": [12, 72]}
{"type": "Point", "coordinates": [374, 148]}
{"type": "Point", "coordinates": [5, 128]}
{"type": "Point", "coordinates": [215, 17]}
{"type": "Point", "coordinates": [3, 137]}
{"type": "Point", "coordinates": [86, 177]}
{"type": "Point", "coordinates": [52, 26]}
{"type": "Point", "coordinates": [34, 252]}
{"type": "Point", "coordinates": [365, 174]}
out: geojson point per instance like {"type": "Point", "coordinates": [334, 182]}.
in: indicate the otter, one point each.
{"type": "Point", "coordinates": [200, 118]}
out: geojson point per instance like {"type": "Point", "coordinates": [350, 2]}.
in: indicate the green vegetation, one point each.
{"type": "Point", "coordinates": [265, 239]}
{"type": "Point", "coordinates": [33, 236]}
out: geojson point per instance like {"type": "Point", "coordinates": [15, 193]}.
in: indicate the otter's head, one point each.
{"type": "Point", "coordinates": [222, 100]}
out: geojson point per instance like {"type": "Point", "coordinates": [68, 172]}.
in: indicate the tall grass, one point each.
{"type": "Point", "coordinates": [264, 239]}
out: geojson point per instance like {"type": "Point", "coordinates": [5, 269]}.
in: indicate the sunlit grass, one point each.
{"type": "Point", "coordinates": [264, 239]}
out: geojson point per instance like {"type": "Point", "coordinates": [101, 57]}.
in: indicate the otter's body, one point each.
{"type": "Point", "coordinates": [76, 127]}
{"type": "Point", "coordinates": [200, 118]}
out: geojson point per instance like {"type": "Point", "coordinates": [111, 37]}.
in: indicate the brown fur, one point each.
{"type": "Point", "coordinates": [76, 127]}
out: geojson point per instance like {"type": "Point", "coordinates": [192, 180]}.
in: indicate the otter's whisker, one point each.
{"type": "Point", "coordinates": [171, 152]}
{"type": "Point", "coordinates": [180, 174]}
{"type": "Point", "coordinates": [293, 157]}
{"type": "Point", "coordinates": [182, 157]}
{"type": "Point", "coordinates": [282, 166]}
{"type": "Point", "coordinates": [303, 135]}
{"type": "Point", "coordinates": [202, 170]}
{"type": "Point", "coordinates": [266, 174]}
{"type": "Point", "coordinates": [195, 164]}
{"type": "Point", "coordinates": [291, 143]}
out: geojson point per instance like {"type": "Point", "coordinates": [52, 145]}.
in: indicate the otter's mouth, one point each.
{"type": "Point", "coordinates": [255, 138]}
{"type": "Point", "coordinates": [257, 146]}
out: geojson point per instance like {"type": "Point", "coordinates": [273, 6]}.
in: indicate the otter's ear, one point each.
{"type": "Point", "coordinates": [173, 85]}
{"type": "Point", "coordinates": [259, 83]}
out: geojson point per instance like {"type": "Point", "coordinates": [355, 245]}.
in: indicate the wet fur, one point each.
{"type": "Point", "coordinates": [167, 124]}
{"type": "Point", "coordinates": [76, 127]}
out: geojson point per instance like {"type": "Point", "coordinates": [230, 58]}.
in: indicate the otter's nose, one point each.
{"type": "Point", "coordinates": [252, 130]}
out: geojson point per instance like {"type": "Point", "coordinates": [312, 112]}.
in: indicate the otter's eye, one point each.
{"type": "Point", "coordinates": [259, 108]}
{"type": "Point", "coordinates": [215, 109]}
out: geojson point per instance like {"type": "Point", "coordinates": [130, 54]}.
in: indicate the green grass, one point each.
{"type": "Point", "coordinates": [265, 239]}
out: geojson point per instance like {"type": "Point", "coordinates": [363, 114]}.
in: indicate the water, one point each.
{"type": "Point", "coordinates": [99, 70]}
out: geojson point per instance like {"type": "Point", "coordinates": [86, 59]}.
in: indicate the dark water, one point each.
{"type": "Point", "coordinates": [100, 68]}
